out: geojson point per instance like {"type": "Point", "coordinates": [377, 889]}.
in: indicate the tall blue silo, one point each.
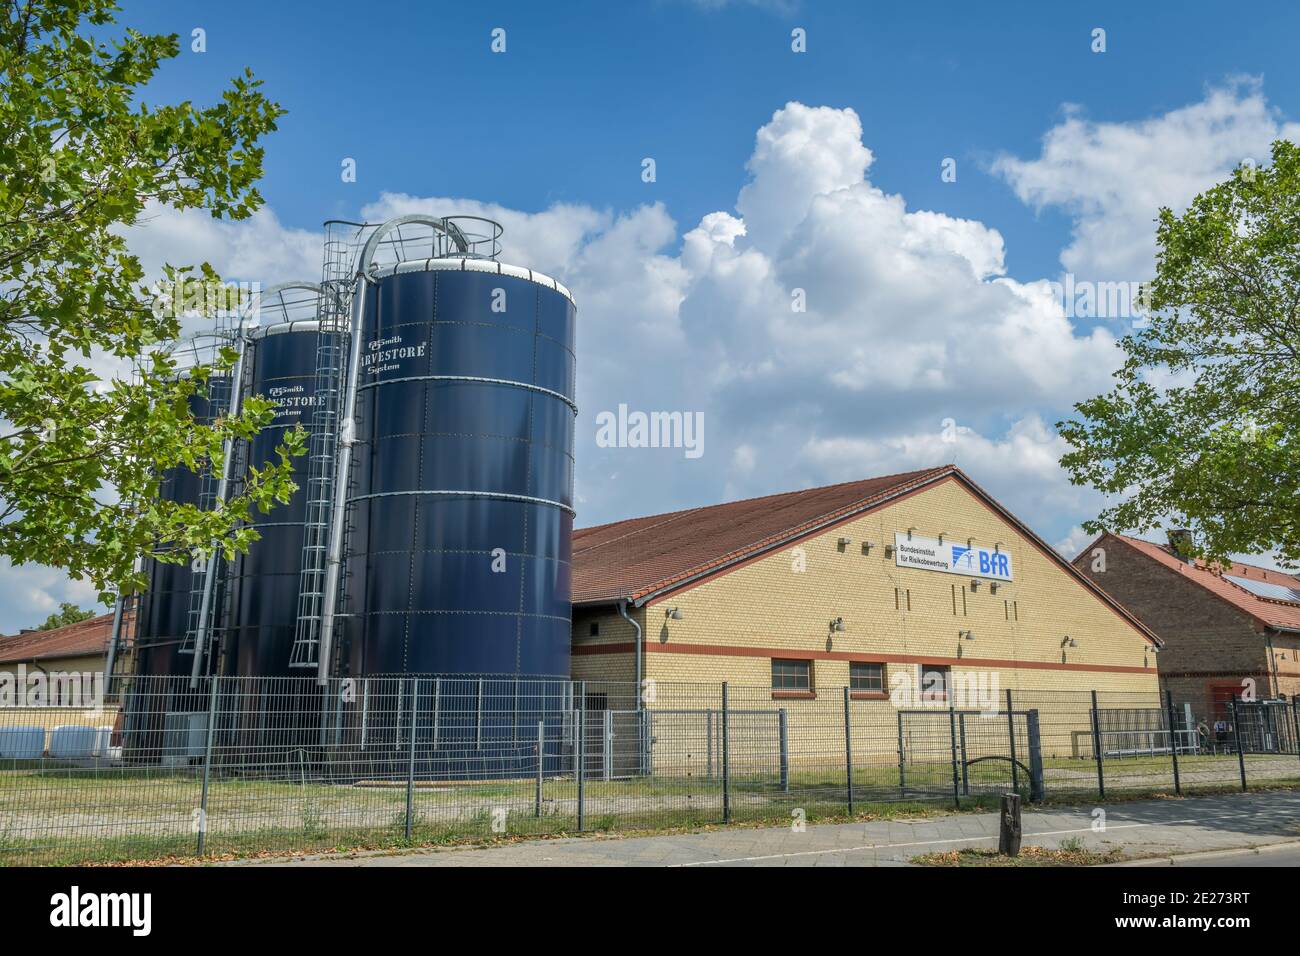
{"type": "Point", "coordinates": [461, 503]}
{"type": "Point", "coordinates": [453, 507]}
{"type": "Point", "coordinates": [261, 610]}
{"type": "Point", "coordinates": [160, 700]}
{"type": "Point", "coordinates": [162, 643]}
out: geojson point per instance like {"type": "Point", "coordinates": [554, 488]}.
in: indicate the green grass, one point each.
{"type": "Point", "coordinates": [56, 814]}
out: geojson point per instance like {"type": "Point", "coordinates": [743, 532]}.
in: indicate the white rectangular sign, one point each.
{"type": "Point", "coordinates": [951, 557]}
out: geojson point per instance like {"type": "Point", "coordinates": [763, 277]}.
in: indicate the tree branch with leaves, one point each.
{"type": "Point", "coordinates": [83, 450]}
{"type": "Point", "coordinates": [1200, 429]}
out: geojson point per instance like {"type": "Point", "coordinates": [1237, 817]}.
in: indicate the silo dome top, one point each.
{"type": "Point", "coordinates": [422, 243]}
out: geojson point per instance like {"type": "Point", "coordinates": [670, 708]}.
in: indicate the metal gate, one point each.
{"type": "Point", "coordinates": [1267, 726]}
{"type": "Point", "coordinates": [968, 752]}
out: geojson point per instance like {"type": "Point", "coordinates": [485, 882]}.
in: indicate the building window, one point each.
{"type": "Point", "coordinates": [866, 678]}
{"type": "Point", "coordinates": [935, 680]}
{"type": "Point", "coordinates": [792, 676]}
{"type": "Point", "coordinates": [595, 629]}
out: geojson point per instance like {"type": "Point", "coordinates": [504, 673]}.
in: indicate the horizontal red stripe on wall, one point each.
{"type": "Point", "coordinates": [724, 650]}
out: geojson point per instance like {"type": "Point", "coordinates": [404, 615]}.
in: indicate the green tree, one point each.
{"type": "Point", "coordinates": [92, 408]}
{"type": "Point", "coordinates": [1200, 428]}
{"type": "Point", "coordinates": [66, 614]}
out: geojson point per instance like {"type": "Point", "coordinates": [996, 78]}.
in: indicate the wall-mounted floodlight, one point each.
{"type": "Point", "coordinates": [997, 546]}
{"type": "Point", "coordinates": [993, 587]}
{"type": "Point", "coordinates": [889, 550]}
{"type": "Point", "coordinates": [866, 547]}
{"type": "Point", "coordinates": [974, 584]}
{"type": "Point", "coordinates": [966, 635]}
{"type": "Point", "coordinates": [1068, 641]}
{"type": "Point", "coordinates": [673, 614]}
{"type": "Point", "coordinates": [941, 534]}
{"type": "Point", "coordinates": [844, 543]}
{"type": "Point", "coordinates": [837, 624]}
{"type": "Point", "coordinates": [909, 533]}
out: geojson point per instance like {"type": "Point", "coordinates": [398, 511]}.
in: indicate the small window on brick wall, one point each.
{"type": "Point", "coordinates": [935, 679]}
{"type": "Point", "coordinates": [595, 629]}
{"type": "Point", "coordinates": [791, 676]}
{"type": "Point", "coordinates": [866, 678]}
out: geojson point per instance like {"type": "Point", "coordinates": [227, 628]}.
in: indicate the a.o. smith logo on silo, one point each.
{"type": "Point", "coordinates": [386, 355]}
{"type": "Point", "coordinates": [624, 429]}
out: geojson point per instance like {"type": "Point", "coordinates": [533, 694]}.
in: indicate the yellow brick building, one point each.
{"type": "Point", "coordinates": [802, 594]}
{"type": "Point", "coordinates": [67, 663]}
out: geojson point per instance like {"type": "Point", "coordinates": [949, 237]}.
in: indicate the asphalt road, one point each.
{"type": "Point", "coordinates": [1283, 854]}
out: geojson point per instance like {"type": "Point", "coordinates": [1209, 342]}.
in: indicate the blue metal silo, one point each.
{"type": "Point", "coordinates": [163, 641]}
{"type": "Point", "coordinates": [257, 632]}
{"type": "Point", "coordinates": [461, 504]}
{"type": "Point", "coordinates": [446, 537]}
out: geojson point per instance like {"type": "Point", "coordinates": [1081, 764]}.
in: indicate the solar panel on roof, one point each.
{"type": "Point", "coordinates": [1278, 592]}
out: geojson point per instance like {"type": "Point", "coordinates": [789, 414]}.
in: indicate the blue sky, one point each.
{"type": "Point", "coordinates": [586, 90]}
{"type": "Point", "coordinates": [776, 171]}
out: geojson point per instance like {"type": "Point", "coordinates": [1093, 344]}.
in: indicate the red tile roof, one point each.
{"type": "Point", "coordinates": [637, 559]}
{"type": "Point", "coordinates": [72, 640]}
{"type": "Point", "coordinates": [1265, 611]}
{"type": "Point", "coordinates": [633, 558]}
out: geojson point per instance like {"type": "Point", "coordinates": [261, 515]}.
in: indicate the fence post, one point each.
{"type": "Point", "coordinates": [784, 727]}
{"type": "Point", "coordinates": [1097, 753]}
{"type": "Point", "coordinates": [1011, 737]}
{"type": "Point", "coordinates": [1037, 786]}
{"type": "Point", "coordinates": [410, 762]}
{"type": "Point", "coordinates": [207, 765]}
{"type": "Point", "coordinates": [607, 746]}
{"type": "Point", "coordinates": [726, 758]}
{"type": "Point", "coordinates": [708, 743]}
{"type": "Point", "coordinates": [965, 765]}
{"type": "Point", "coordinates": [952, 733]}
{"type": "Point", "coordinates": [902, 774]}
{"type": "Point", "coordinates": [1236, 736]}
{"type": "Point", "coordinates": [1295, 722]}
{"type": "Point", "coordinates": [541, 752]}
{"type": "Point", "coordinates": [582, 752]}
{"type": "Point", "coordinates": [1173, 739]}
{"type": "Point", "coordinates": [848, 749]}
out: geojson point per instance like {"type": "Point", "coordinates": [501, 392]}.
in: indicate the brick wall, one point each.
{"type": "Point", "coordinates": [1208, 642]}
{"type": "Point", "coordinates": [780, 605]}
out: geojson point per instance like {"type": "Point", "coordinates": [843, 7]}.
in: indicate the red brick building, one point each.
{"type": "Point", "coordinates": [1222, 627]}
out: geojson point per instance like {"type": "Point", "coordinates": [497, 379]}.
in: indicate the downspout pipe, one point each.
{"type": "Point", "coordinates": [1272, 662]}
{"type": "Point", "coordinates": [640, 693]}
{"type": "Point", "coordinates": [111, 657]}
{"type": "Point", "coordinates": [636, 650]}
{"type": "Point", "coordinates": [202, 633]}
{"type": "Point", "coordinates": [347, 439]}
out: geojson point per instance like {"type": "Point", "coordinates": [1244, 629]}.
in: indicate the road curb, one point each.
{"type": "Point", "coordinates": [1171, 858]}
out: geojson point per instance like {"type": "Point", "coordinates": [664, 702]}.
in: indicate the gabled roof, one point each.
{"type": "Point", "coordinates": [1266, 612]}
{"type": "Point", "coordinates": [642, 559]}
{"type": "Point", "coordinates": [83, 639]}
{"type": "Point", "coordinates": [628, 560]}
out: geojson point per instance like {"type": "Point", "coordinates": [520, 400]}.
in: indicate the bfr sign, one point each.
{"type": "Point", "coordinates": [929, 554]}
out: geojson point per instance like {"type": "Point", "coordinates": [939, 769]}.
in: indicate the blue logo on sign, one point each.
{"type": "Point", "coordinates": [990, 563]}
{"type": "Point", "coordinates": [957, 553]}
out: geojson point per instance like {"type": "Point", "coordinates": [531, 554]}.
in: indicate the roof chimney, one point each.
{"type": "Point", "coordinates": [1181, 543]}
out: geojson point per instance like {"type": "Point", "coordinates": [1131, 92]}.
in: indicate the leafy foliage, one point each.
{"type": "Point", "coordinates": [1200, 428]}
{"type": "Point", "coordinates": [93, 408]}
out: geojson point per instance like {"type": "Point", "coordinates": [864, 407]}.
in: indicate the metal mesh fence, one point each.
{"type": "Point", "coordinates": [166, 766]}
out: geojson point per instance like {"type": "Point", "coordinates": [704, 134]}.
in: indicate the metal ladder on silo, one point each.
{"type": "Point", "coordinates": [331, 367]}
{"type": "Point", "coordinates": [221, 391]}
